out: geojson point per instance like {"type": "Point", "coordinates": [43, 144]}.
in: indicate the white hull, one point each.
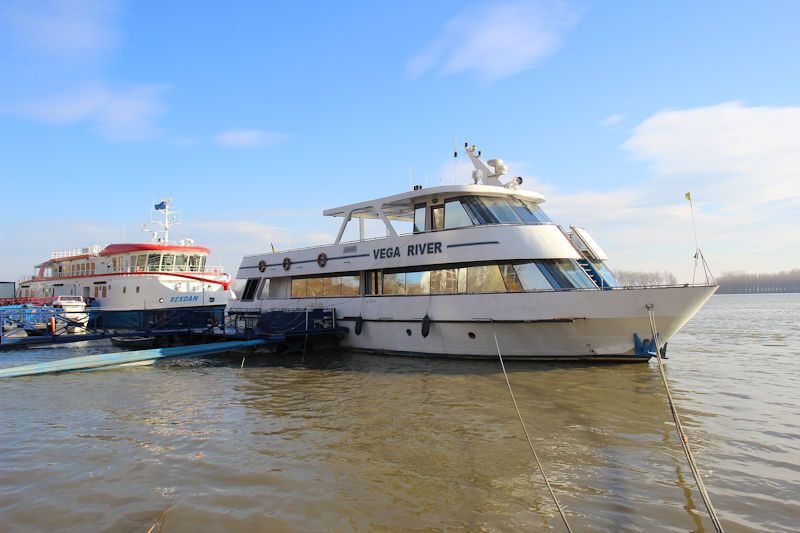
{"type": "Point", "coordinates": [137, 291]}
{"type": "Point", "coordinates": [571, 325]}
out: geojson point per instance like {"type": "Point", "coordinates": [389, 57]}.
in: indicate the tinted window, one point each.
{"type": "Point", "coordinates": [455, 216]}
{"type": "Point", "coordinates": [250, 289]}
{"type": "Point", "coordinates": [419, 218]}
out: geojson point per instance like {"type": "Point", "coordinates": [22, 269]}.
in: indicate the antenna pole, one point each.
{"type": "Point", "coordinates": [688, 196]}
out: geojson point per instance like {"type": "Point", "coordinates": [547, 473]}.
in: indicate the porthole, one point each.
{"type": "Point", "coordinates": [161, 300]}
{"type": "Point", "coordinates": [408, 332]}
{"type": "Point", "coordinates": [471, 335]}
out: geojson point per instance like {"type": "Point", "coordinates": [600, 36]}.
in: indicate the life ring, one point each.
{"type": "Point", "coordinates": [262, 266]}
{"type": "Point", "coordinates": [287, 263]}
{"type": "Point", "coordinates": [322, 260]}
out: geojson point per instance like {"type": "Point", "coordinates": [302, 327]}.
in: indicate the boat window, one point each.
{"type": "Point", "coordinates": [502, 210]}
{"type": "Point", "coordinates": [531, 277]}
{"type": "Point", "coordinates": [167, 262]}
{"type": "Point", "coordinates": [299, 288]}
{"type": "Point", "coordinates": [565, 274]}
{"type": "Point", "coordinates": [418, 282]}
{"type": "Point", "coordinates": [437, 217]}
{"type": "Point", "coordinates": [455, 216]}
{"type": "Point", "coordinates": [609, 278]}
{"type": "Point", "coordinates": [314, 287]}
{"type": "Point", "coordinates": [250, 289]}
{"type": "Point", "coordinates": [484, 278]}
{"type": "Point", "coordinates": [419, 218]}
{"type": "Point", "coordinates": [537, 212]}
{"type": "Point", "coordinates": [141, 262]}
{"type": "Point", "coordinates": [444, 281]}
{"type": "Point", "coordinates": [137, 289]}
{"type": "Point", "coordinates": [350, 285]}
{"type": "Point", "coordinates": [263, 291]}
{"type": "Point", "coordinates": [510, 278]}
{"type": "Point", "coordinates": [180, 262]}
{"type": "Point", "coordinates": [394, 283]}
{"type": "Point", "coordinates": [332, 286]}
{"type": "Point", "coordinates": [124, 290]}
{"type": "Point", "coordinates": [153, 261]}
{"type": "Point", "coordinates": [373, 281]}
{"type": "Point", "coordinates": [194, 262]}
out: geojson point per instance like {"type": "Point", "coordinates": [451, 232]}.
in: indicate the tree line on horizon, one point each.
{"type": "Point", "coordinates": [740, 282]}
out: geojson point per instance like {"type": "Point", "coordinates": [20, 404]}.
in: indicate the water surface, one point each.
{"type": "Point", "coordinates": [343, 441]}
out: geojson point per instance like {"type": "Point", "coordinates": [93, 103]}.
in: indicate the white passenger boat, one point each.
{"type": "Point", "coordinates": [131, 283]}
{"type": "Point", "coordinates": [483, 262]}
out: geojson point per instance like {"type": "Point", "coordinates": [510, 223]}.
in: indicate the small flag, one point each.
{"type": "Point", "coordinates": [688, 196]}
{"type": "Point", "coordinates": [162, 205]}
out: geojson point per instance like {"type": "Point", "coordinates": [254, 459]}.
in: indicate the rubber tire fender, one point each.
{"type": "Point", "coordinates": [359, 325]}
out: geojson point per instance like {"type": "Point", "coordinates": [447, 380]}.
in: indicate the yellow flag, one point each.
{"type": "Point", "coordinates": [688, 196]}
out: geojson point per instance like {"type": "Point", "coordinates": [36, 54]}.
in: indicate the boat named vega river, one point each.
{"type": "Point", "coordinates": [135, 282]}
{"type": "Point", "coordinates": [482, 266]}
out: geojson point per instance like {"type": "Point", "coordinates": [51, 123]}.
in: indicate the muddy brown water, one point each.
{"type": "Point", "coordinates": [350, 442]}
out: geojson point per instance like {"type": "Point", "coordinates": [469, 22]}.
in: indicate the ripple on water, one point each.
{"type": "Point", "coordinates": [356, 442]}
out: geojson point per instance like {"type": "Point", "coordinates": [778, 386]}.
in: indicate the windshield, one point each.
{"type": "Point", "coordinates": [482, 210]}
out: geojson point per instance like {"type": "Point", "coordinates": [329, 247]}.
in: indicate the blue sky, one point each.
{"type": "Point", "coordinates": [256, 116]}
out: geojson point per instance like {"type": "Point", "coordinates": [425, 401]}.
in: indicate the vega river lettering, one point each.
{"type": "Point", "coordinates": [347, 442]}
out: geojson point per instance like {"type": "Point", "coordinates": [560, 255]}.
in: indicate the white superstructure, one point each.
{"type": "Point", "coordinates": [482, 260]}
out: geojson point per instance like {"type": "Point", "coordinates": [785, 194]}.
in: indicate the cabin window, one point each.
{"type": "Point", "coordinates": [444, 281]}
{"type": "Point", "coordinates": [485, 278]}
{"type": "Point", "coordinates": [104, 291]}
{"type": "Point", "coordinates": [565, 274]}
{"type": "Point", "coordinates": [194, 263]}
{"type": "Point", "coordinates": [180, 262]}
{"type": "Point", "coordinates": [167, 262]}
{"type": "Point", "coordinates": [299, 288]}
{"type": "Point", "coordinates": [263, 291]}
{"type": "Point", "coordinates": [373, 281]}
{"type": "Point", "coordinates": [418, 282]}
{"type": "Point", "coordinates": [502, 210]}
{"type": "Point", "coordinates": [455, 216]}
{"type": "Point", "coordinates": [332, 286]}
{"type": "Point", "coordinates": [419, 218]}
{"type": "Point", "coordinates": [437, 217]}
{"type": "Point", "coordinates": [250, 289]}
{"type": "Point", "coordinates": [394, 283]}
{"type": "Point", "coordinates": [510, 278]}
{"type": "Point", "coordinates": [314, 287]}
{"type": "Point", "coordinates": [531, 277]}
{"type": "Point", "coordinates": [141, 262]}
{"type": "Point", "coordinates": [350, 285]}
{"type": "Point", "coordinates": [153, 262]}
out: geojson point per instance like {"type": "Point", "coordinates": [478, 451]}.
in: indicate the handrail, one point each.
{"type": "Point", "coordinates": [356, 241]}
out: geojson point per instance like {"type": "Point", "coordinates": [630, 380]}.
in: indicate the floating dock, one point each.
{"type": "Point", "coordinates": [280, 331]}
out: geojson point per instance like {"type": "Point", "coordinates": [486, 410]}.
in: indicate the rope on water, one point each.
{"type": "Point", "coordinates": [684, 439]}
{"type": "Point", "coordinates": [527, 436]}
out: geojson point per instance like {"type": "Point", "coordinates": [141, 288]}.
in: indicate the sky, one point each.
{"type": "Point", "coordinates": [256, 116]}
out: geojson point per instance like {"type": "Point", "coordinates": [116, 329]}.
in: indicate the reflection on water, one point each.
{"type": "Point", "coordinates": [355, 442]}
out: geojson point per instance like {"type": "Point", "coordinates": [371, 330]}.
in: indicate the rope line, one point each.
{"type": "Point", "coordinates": [527, 436]}
{"type": "Point", "coordinates": [684, 439]}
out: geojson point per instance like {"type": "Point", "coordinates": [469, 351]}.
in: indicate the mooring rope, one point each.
{"type": "Point", "coordinates": [684, 439]}
{"type": "Point", "coordinates": [527, 436]}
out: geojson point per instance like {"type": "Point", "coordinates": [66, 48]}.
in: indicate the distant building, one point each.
{"type": "Point", "coordinates": [7, 289]}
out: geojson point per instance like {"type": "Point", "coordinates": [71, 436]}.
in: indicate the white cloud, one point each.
{"type": "Point", "coordinates": [742, 165]}
{"type": "Point", "coordinates": [77, 30]}
{"type": "Point", "coordinates": [614, 120]}
{"type": "Point", "coordinates": [249, 138]}
{"type": "Point", "coordinates": [497, 41]}
{"type": "Point", "coordinates": [120, 114]}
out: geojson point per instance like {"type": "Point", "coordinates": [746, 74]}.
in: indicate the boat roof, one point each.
{"type": "Point", "coordinates": [401, 206]}
{"type": "Point", "coordinates": [113, 249]}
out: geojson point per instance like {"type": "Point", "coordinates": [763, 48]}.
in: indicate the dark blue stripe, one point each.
{"type": "Point", "coordinates": [472, 244]}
